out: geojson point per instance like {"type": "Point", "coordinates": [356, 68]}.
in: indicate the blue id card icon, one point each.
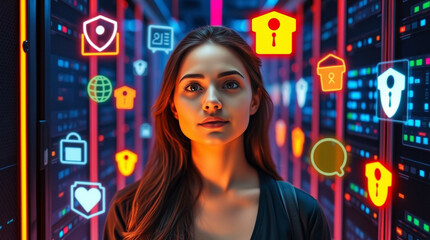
{"type": "Point", "coordinates": [73, 150]}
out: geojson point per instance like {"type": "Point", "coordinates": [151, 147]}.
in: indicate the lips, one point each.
{"type": "Point", "coordinates": [213, 122]}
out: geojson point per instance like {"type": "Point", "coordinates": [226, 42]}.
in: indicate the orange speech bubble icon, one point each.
{"type": "Point", "coordinates": [331, 75]}
{"type": "Point", "coordinates": [378, 180]}
{"type": "Point", "coordinates": [126, 161]}
{"type": "Point", "coordinates": [298, 139]}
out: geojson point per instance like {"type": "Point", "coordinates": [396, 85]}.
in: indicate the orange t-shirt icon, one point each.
{"type": "Point", "coordinates": [124, 97]}
{"type": "Point", "coordinates": [274, 33]}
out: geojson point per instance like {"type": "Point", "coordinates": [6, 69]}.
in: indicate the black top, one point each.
{"type": "Point", "coordinates": [272, 220]}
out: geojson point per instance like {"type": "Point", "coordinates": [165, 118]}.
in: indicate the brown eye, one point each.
{"type": "Point", "coordinates": [231, 85]}
{"type": "Point", "coordinates": [193, 87]}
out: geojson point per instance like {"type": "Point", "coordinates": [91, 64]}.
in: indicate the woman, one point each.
{"type": "Point", "coordinates": [211, 174]}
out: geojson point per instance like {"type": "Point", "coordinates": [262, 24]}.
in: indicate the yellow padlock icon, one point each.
{"type": "Point", "coordinates": [379, 179]}
{"type": "Point", "coordinates": [331, 75]}
{"type": "Point", "coordinates": [126, 162]}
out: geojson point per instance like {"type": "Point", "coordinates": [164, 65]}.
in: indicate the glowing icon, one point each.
{"type": "Point", "coordinates": [328, 157]}
{"type": "Point", "coordinates": [146, 130]}
{"type": "Point", "coordinates": [286, 93]}
{"type": "Point", "coordinates": [124, 97]}
{"type": "Point", "coordinates": [99, 34]}
{"type": "Point", "coordinates": [99, 89]}
{"type": "Point", "coordinates": [140, 67]}
{"type": "Point", "coordinates": [391, 83]}
{"type": "Point", "coordinates": [126, 161]}
{"type": "Point", "coordinates": [331, 74]}
{"type": "Point", "coordinates": [160, 38]}
{"type": "Point", "coordinates": [301, 91]}
{"type": "Point", "coordinates": [274, 33]}
{"type": "Point", "coordinates": [298, 139]}
{"type": "Point", "coordinates": [85, 196]}
{"type": "Point", "coordinates": [281, 131]}
{"type": "Point", "coordinates": [378, 181]}
{"type": "Point", "coordinates": [73, 151]}
{"type": "Point", "coordinates": [274, 93]}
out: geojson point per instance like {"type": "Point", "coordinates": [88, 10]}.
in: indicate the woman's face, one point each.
{"type": "Point", "coordinates": [213, 87]}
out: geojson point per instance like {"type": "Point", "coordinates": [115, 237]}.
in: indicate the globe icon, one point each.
{"type": "Point", "coordinates": [99, 89]}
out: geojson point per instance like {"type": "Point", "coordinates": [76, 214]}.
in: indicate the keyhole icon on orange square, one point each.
{"type": "Point", "coordinates": [124, 97]}
{"type": "Point", "coordinates": [331, 69]}
{"type": "Point", "coordinates": [126, 161]}
{"type": "Point", "coordinates": [274, 33]}
{"type": "Point", "coordinates": [298, 139]}
{"type": "Point", "coordinates": [378, 180]}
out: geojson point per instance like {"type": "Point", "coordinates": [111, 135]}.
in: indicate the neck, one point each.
{"type": "Point", "coordinates": [223, 167]}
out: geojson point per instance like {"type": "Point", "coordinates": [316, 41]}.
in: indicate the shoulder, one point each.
{"type": "Point", "coordinates": [311, 216]}
{"type": "Point", "coordinates": [121, 205]}
{"type": "Point", "coordinates": [308, 205]}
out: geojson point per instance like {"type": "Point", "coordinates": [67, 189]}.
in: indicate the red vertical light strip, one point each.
{"type": "Point", "coordinates": [338, 192]}
{"type": "Point", "coordinates": [138, 86]}
{"type": "Point", "coordinates": [386, 133]}
{"type": "Point", "coordinates": [175, 9]}
{"type": "Point", "coordinates": [216, 12]}
{"type": "Point", "coordinates": [299, 73]}
{"type": "Point", "coordinates": [23, 119]}
{"type": "Point", "coordinates": [316, 8]}
{"type": "Point", "coordinates": [120, 72]}
{"type": "Point", "coordinates": [93, 71]}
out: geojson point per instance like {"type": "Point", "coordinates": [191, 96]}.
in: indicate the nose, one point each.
{"type": "Point", "coordinates": [212, 101]}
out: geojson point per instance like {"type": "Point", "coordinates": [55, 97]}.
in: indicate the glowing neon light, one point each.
{"type": "Point", "coordinates": [274, 33]}
{"type": "Point", "coordinates": [88, 195]}
{"type": "Point", "coordinates": [216, 12]}
{"type": "Point", "coordinates": [140, 67]}
{"type": "Point", "coordinates": [99, 31]}
{"type": "Point", "coordinates": [160, 38]}
{"type": "Point", "coordinates": [73, 151]}
{"type": "Point", "coordinates": [100, 53]}
{"type": "Point", "coordinates": [125, 97]}
{"type": "Point", "coordinates": [327, 159]}
{"type": "Point", "coordinates": [23, 118]}
{"type": "Point", "coordinates": [281, 132]}
{"type": "Point", "coordinates": [301, 92]}
{"type": "Point", "coordinates": [298, 138]}
{"type": "Point", "coordinates": [331, 76]}
{"type": "Point", "coordinates": [391, 96]}
{"type": "Point", "coordinates": [126, 161]}
{"type": "Point", "coordinates": [379, 179]}
{"type": "Point", "coordinates": [99, 89]}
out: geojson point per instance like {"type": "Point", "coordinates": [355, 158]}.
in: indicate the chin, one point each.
{"type": "Point", "coordinates": [215, 138]}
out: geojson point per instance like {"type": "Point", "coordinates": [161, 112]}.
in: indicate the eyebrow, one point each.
{"type": "Point", "coordinates": [223, 74]}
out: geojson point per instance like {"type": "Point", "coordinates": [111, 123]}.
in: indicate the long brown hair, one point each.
{"type": "Point", "coordinates": [163, 202]}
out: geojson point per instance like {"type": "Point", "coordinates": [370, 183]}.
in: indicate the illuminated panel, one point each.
{"type": "Point", "coordinates": [363, 53]}
{"type": "Point", "coordinates": [360, 105]}
{"type": "Point", "coordinates": [360, 215]}
{"type": "Point", "coordinates": [327, 124]}
{"type": "Point", "coordinates": [411, 164]}
{"type": "Point", "coordinates": [67, 111]}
